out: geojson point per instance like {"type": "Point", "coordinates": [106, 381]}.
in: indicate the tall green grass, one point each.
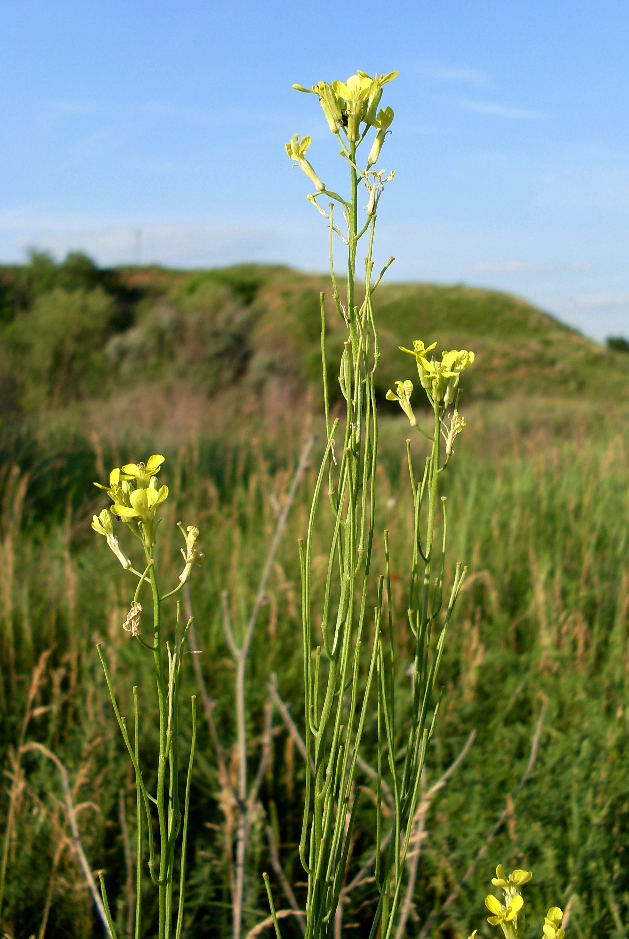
{"type": "Point", "coordinates": [538, 656]}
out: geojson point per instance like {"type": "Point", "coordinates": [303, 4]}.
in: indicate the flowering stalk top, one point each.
{"type": "Point", "coordinates": [351, 110]}
{"type": "Point", "coordinates": [439, 379]}
{"type": "Point", "coordinates": [349, 104]}
{"type": "Point", "coordinates": [135, 494]}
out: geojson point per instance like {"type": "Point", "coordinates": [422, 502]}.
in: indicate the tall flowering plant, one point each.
{"type": "Point", "coordinates": [349, 649]}
{"type": "Point", "coordinates": [162, 816]}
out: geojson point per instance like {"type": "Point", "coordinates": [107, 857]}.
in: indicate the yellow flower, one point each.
{"type": "Point", "coordinates": [118, 486]}
{"type": "Point", "coordinates": [142, 504]}
{"type": "Point", "coordinates": [439, 379]}
{"type": "Point", "coordinates": [552, 924]}
{"type": "Point", "coordinates": [515, 879]}
{"type": "Point", "coordinates": [420, 351]}
{"type": "Point", "coordinates": [142, 472]}
{"type": "Point", "coordinates": [503, 914]}
{"type": "Point", "coordinates": [402, 393]}
{"type": "Point", "coordinates": [348, 104]}
{"type": "Point", "coordinates": [118, 489]}
{"type": "Point", "coordinates": [330, 103]}
{"type": "Point", "coordinates": [296, 150]}
{"type": "Point", "coordinates": [103, 525]}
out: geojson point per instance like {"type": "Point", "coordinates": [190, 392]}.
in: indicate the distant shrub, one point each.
{"type": "Point", "coordinates": [78, 272]}
{"type": "Point", "coordinates": [57, 345]}
{"type": "Point", "coordinates": [243, 280]}
{"type": "Point", "coordinates": [200, 337]}
{"type": "Point", "coordinates": [617, 344]}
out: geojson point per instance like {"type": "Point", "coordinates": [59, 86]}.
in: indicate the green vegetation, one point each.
{"type": "Point", "coordinates": [541, 497]}
{"type": "Point", "coordinates": [214, 369]}
{"type": "Point", "coordinates": [72, 333]}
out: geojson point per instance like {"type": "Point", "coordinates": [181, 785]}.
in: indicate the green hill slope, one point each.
{"type": "Point", "coordinates": [520, 350]}
{"type": "Point", "coordinates": [71, 332]}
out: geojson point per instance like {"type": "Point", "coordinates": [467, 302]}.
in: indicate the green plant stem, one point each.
{"type": "Point", "coordinates": [163, 756]}
{"type": "Point", "coordinates": [138, 809]}
{"type": "Point", "coordinates": [336, 699]}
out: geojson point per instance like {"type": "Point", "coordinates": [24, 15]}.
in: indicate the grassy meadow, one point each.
{"type": "Point", "coordinates": [218, 371]}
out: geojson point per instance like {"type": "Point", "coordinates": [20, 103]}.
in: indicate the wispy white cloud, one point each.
{"type": "Point", "coordinates": [70, 109]}
{"type": "Point", "coordinates": [500, 110]}
{"type": "Point", "coordinates": [525, 267]}
{"type": "Point", "coordinates": [603, 300]}
{"type": "Point", "coordinates": [506, 267]}
{"type": "Point", "coordinates": [444, 73]}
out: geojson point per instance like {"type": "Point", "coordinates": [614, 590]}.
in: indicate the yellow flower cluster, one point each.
{"type": "Point", "coordinates": [134, 492]}
{"type": "Point", "coordinates": [440, 380]}
{"type": "Point", "coordinates": [350, 108]}
{"type": "Point", "coordinates": [505, 914]}
{"type": "Point", "coordinates": [349, 104]}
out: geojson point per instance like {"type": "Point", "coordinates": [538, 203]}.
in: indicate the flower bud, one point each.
{"type": "Point", "coordinates": [402, 394]}
{"type": "Point", "coordinates": [330, 105]}
{"type": "Point", "coordinates": [383, 122]}
{"type": "Point", "coordinates": [190, 534]}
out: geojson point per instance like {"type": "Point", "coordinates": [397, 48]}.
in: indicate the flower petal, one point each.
{"type": "Point", "coordinates": [154, 462]}
{"type": "Point", "coordinates": [493, 904]}
{"type": "Point", "coordinates": [123, 511]}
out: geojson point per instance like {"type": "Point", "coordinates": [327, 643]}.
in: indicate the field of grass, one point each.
{"type": "Point", "coordinates": [536, 664]}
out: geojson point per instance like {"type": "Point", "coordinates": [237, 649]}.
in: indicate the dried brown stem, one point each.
{"type": "Point", "coordinates": [75, 835]}
{"type": "Point", "coordinates": [279, 914]}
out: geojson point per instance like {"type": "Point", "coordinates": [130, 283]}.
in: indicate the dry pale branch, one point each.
{"type": "Point", "coordinates": [419, 833]}
{"type": "Point", "coordinates": [75, 835]}
{"type": "Point", "coordinates": [279, 914]}
{"type": "Point", "coordinates": [281, 876]}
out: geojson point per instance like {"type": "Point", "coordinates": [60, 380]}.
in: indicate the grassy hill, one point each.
{"type": "Point", "coordinates": [71, 332]}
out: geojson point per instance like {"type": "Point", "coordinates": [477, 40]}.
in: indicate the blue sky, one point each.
{"type": "Point", "coordinates": [510, 140]}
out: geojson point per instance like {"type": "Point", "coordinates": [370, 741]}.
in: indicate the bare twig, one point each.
{"type": "Point", "coordinates": [286, 716]}
{"type": "Point", "coordinates": [437, 914]}
{"type": "Point", "coordinates": [275, 543]}
{"type": "Point", "coordinates": [279, 914]}
{"type": "Point", "coordinates": [248, 809]}
{"type": "Point", "coordinates": [75, 835]}
{"type": "Point", "coordinates": [419, 826]}
{"type": "Point", "coordinates": [568, 912]}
